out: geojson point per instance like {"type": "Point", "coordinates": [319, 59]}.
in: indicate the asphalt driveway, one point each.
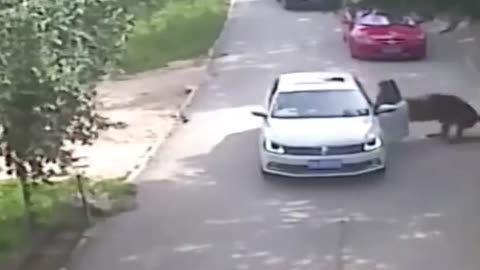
{"type": "Point", "coordinates": [205, 205]}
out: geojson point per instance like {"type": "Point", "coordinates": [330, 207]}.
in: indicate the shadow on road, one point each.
{"type": "Point", "coordinates": [223, 164]}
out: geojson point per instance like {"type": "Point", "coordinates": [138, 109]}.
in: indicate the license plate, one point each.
{"type": "Point", "coordinates": [392, 49]}
{"type": "Point", "coordinates": [324, 164]}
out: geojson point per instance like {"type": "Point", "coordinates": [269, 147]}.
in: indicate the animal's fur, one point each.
{"type": "Point", "coordinates": [448, 110]}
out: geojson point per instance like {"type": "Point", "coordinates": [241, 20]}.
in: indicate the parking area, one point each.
{"type": "Point", "coordinates": [205, 205]}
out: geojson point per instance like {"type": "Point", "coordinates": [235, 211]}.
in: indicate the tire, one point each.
{"type": "Point", "coordinates": [287, 4]}
{"type": "Point", "coordinates": [423, 56]}
{"type": "Point", "coordinates": [381, 171]}
{"type": "Point", "coordinates": [266, 175]}
{"type": "Point", "coordinates": [379, 174]}
{"type": "Point", "coordinates": [352, 53]}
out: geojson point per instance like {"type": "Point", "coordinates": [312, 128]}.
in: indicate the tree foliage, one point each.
{"type": "Point", "coordinates": [458, 7]}
{"type": "Point", "coordinates": [52, 53]}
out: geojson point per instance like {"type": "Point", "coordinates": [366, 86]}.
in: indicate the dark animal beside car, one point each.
{"type": "Point", "coordinates": [448, 110]}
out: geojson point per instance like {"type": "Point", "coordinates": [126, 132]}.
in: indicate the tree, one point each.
{"type": "Point", "coordinates": [430, 7]}
{"type": "Point", "coordinates": [52, 54]}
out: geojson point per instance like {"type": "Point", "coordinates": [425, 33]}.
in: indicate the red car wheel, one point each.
{"type": "Point", "coordinates": [423, 54]}
{"type": "Point", "coordinates": [352, 51]}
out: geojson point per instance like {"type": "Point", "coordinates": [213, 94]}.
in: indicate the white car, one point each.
{"type": "Point", "coordinates": [322, 124]}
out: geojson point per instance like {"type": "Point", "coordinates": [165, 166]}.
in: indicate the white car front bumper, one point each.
{"type": "Point", "coordinates": [297, 165]}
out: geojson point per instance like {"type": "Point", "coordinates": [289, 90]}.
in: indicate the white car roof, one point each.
{"type": "Point", "coordinates": [316, 81]}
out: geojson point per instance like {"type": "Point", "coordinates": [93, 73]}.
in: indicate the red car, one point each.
{"type": "Point", "coordinates": [372, 34]}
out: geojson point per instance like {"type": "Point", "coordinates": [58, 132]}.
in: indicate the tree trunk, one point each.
{"type": "Point", "coordinates": [27, 201]}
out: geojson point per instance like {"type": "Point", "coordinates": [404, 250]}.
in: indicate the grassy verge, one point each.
{"type": "Point", "coordinates": [463, 7]}
{"type": "Point", "coordinates": [172, 30]}
{"type": "Point", "coordinates": [11, 216]}
{"type": "Point", "coordinates": [47, 203]}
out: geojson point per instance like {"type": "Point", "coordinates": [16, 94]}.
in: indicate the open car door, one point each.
{"type": "Point", "coordinates": [395, 124]}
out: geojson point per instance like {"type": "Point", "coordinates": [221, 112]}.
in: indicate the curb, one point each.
{"type": "Point", "coordinates": [231, 5]}
{"type": "Point", "coordinates": [78, 247]}
{"type": "Point", "coordinates": [152, 150]}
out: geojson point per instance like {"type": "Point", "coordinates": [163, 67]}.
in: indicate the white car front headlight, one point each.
{"type": "Point", "coordinates": [373, 142]}
{"type": "Point", "coordinates": [273, 147]}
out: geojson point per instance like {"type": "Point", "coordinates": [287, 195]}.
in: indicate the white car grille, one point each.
{"type": "Point", "coordinates": [324, 151]}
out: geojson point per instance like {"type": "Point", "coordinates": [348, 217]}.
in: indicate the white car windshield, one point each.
{"type": "Point", "coordinates": [320, 104]}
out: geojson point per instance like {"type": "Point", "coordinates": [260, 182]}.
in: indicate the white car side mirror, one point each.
{"type": "Point", "coordinates": [260, 113]}
{"type": "Point", "coordinates": [385, 108]}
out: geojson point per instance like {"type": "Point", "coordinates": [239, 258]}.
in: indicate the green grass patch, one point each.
{"type": "Point", "coordinates": [172, 30]}
{"type": "Point", "coordinates": [464, 7]}
{"type": "Point", "coordinates": [12, 233]}
{"type": "Point", "coordinates": [117, 188]}
{"type": "Point", "coordinates": [48, 203]}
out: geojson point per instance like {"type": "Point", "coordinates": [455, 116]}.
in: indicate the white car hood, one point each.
{"type": "Point", "coordinates": [320, 131]}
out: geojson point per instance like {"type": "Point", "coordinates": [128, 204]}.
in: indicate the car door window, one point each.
{"type": "Point", "coordinates": [389, 93]}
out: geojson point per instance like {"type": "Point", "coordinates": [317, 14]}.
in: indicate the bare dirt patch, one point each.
{"type": "Point", "coordinates": [148, 104]}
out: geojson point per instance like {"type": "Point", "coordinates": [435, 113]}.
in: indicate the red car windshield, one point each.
{"type": "Point", "coordinates": [382, 19]}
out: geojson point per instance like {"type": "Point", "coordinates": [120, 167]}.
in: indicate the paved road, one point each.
{"type": "Point", "coordinates": [204, 204]}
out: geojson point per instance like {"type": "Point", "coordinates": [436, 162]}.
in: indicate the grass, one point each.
{"type": "Point", "coordinates": [47, 201]}
{"type": "Point", "coordinates": [116, 187]}
{"type": "Point", "coordinates": [172, 30]}
{"type": "Point", "coordinates": [464, 7]}
{"type": "Point", "coordinates": [11, 215]}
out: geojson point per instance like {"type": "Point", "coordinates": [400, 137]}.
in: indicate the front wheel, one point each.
{"type": "Point", "coordinates": [353, 54]}
{"type": "Point", "coordinates": [287, 4]}
{"type": "Point", "coordinates": [381, 171]}
{"type": "Point", "coordinates": [423, 55]}
{"type": "Point", "coordinates": [352, 51]}
{"type": "Point", "coordinates": [378, 174]}
{"type": "Point", "coordinates": [267, 176]}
